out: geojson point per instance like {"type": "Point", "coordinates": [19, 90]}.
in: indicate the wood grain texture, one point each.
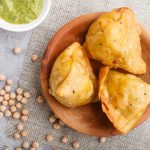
{"type": "Point", "coordinates": [88, 119]}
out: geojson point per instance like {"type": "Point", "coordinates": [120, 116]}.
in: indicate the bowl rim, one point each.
{"type": "Point", "coordinates": [25, 27]}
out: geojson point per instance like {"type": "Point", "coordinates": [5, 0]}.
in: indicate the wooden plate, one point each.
{"type": "Point", "coordinates": [88, 119]}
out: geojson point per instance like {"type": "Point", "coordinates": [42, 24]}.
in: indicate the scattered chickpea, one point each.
{"type": "Point", "coordinates": [52, 119]}
{"type": "Point", "coordinates": [6, 97]}
{"type": "Point", "coordinates": [20, 127]}
{"type": "Point", "coordinates": [102, 140]}
{"type": "Point", "coordinates": [11, 102]}
{"type": "Point", "coordinates": [1, 115]}
{"type": "Point", "coordinates": [2, 92]}
{"type": "Point", "coordinates": [18, 105]}
{"type": "Point", "coordinates": [25, 111]}
{"type": "Point", "coordinates": [7, 113]}
{"type": "Point", "coordinates": [76, 145]}
{"type": "Point", "coordinates": [2, 108]}
{"type": "Point", "coordinates": [56, 126]}
{"type": "Point", "coordinates": [17, 50]}
{"type": "Point", "coordinates": [26, 94]}
{"type": "Point", "coordinates": [19, 91]}
{"type": "Point", "coordinates": [17, 136]}
{"type": "Point", "coordinates": [56, 116]}
{"type": "Point", "coordinates": [7, 88]}
{"type": "Point", "coordinates": [19, 97]}
{"type": "Point", "coordinates": [12, 95]}
{"type": "Point", "coordinates": [9, 82]}
{"type": "Point", "coordinates": [5, 103]}
{"type": "Point", "coordinates": [35, 144]}
{"type": "Point", "coordinates": [24, 133]}
{"type": "Point", "coordinates": [34, 58]}
{"type": "Point", "coordinates": [25, 145]}
{"type": "Point", "coordinates": [24, 100]}
{"type": "Point", "coordinates": [2, 77]}
{"type": "Point", "coordinates": [13, 109]}
{"type": "Point", "coordinates": [40, 99]}
{"type": "Point", "coordinates": [64, 139]}
{"type": "Point", "coordinates": [18, 148]}
{"type": "Point", "coordinates": [16, 115]}
{"type": "Point", "coordinates": [49, 138]}
{"type": "Point", "coordinates": [1, 99]}
{"type": "Point", "coordinates": [61, 123]}
{"type": "Point", "coordinates": [24, 118]}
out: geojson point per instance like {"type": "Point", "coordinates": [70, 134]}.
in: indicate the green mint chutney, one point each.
{"type": "Point", "coordinates": [20, 11]}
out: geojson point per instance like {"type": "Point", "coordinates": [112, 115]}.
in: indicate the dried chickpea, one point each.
{"type": "Point", "coordinates": [12, 95]}
{"type": "Point", "coordinates": [18, 148]}
{"type": "Point", "coordinates": [2, 77]}
{"type": "Point", "coordinates": [56, 116]}
{"type": "Point", "coordinates": [56, 126]}
{"type": "Point", "coordinates": [24, 100]}
{"type": "Point", "coordinates": [2, 92]}
{"type": "Point", "coordinates": [19, 91]}
{"type": "Point", "coordinates": [49, 137]}
{"type": "Point", "coordinates": [26, 94]}
{"type": "Point", "coordinates": [6, 97]}
{"type": "Point", "coordinates": [1, 99]}
{"type": "Point", "coordinates": [19, 97]}
{"type": "Point", "coordinates": [35, 144]}
{"type": "Point", "coordinates": [24, 118]}
{"type": "Point", "coordinates": [52, 119]}
{"type": "Point", "coordinates": [25, 111]}
{"type": "Point", "coordinates": [13, 109]}
{"type": "Point", "coordinates": [76, 145]}
{"type": "Point", "coordinates": [17, 50]}
{"type": "Point", "coordinates": [17, 136]}
{"type": "Point", "coordinates": [5, 103]}
{"type": "Point", "coordinates": [40, 99]}
{"type": "Point", "coordinates": [7, 88]}
{"type": "Point", "coordinates": [25, 145]}
{"type": "Point", "coordinates": [20, 127]}
{"type": "Point", "coordinates": [16, 115]}
{"type": "Point", "coordinates": [2, 108]}
{"type": "Point", "coordinates": [24, 133]}
{"type": "Point", "coordinates": [9, 82]}
{"type": "Point", "coordinates": [11, 102]}
{"type": "Point", "coordinates": [102, 140]}
{"type": "Point", "coordinates": [18, 105]}
{"type": "Point", "coordinates": [7, 113]}
{"type": "Point", "coordinates": [61, 123]}
{"type": "Point", "coordinates": [34, 58]}
{"type": "Point", "coordinates": [1, 115]}
{"type": "Point", "coordinates": [64, 139]}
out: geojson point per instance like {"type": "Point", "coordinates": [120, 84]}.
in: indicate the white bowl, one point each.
{"type": "Point", "coordinates": [25, 27]}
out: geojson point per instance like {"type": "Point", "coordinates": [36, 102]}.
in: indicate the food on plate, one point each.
{"type": "Point", "coordinates": [114, 39]}
{"type": "Point", "coordinates": [124, 98]}
{"type": "Point", "coordinates": [20, 11]}
{"type": "Point", "coordinates": [72, 80]}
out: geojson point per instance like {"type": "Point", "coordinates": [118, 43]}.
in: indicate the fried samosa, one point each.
{"type": "Point", "coordinates": [72, 80]}
{"type": "Point", "coordinates": [114, 39]}
{"type": "Point", "coordinates": [124, 98]}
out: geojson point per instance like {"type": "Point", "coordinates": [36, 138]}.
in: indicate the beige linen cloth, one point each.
{"type": "Point", "coordinates": [38, 125]}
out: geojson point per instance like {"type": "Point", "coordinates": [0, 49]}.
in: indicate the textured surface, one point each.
{"type": "Point", "coordinates": [61, 12]}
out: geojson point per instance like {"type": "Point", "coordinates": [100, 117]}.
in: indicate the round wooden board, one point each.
{"type": "Point", "coordinates": [88, 119]}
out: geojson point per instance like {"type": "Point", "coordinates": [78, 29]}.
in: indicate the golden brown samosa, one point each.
{"type": "Point", "coordinates": [114, 39]}
{"type": "Point", "coordinates": [124, 98]}
{"type": "Point", "coordinates": [72, 80]}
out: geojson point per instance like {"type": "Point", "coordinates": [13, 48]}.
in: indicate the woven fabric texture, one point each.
{"type": "Point", "coordinates": [38, 125]}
